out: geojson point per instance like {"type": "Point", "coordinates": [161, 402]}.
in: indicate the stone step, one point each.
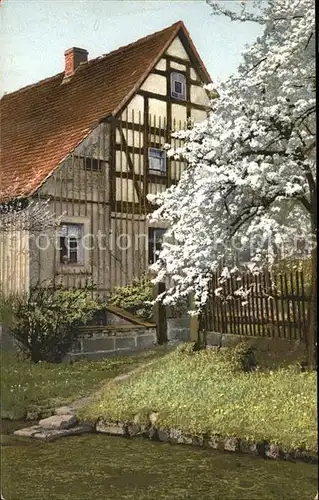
{"type": "Point", "coordinates": [38, 432]}
{"type": "Point", "coordinates": [115, 429]}
{"type": "Point", "coordinates": [58, 422]}
{"type": "Point", "coordinates": [27, 431]}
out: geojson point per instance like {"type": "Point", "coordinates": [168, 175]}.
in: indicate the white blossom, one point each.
{"type": "Point", "coordinates": [27, 215]}
{"type": "Point", "coordinates": [251, 163]}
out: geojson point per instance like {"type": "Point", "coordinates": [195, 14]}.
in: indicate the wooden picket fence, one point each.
{"type": "Point", "coordinates": [276, 305]}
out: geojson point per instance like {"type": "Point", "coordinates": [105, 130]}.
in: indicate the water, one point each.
{"type": "Point", "coordinates": [98, 467]}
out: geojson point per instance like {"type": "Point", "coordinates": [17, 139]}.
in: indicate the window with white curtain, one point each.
{"type": "Point", "coordinates": [71, 249]}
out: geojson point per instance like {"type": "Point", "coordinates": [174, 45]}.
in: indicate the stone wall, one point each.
{"type": "Point", "coordinates": [179, 329]}
{"type": "Point", "coordinates": [114, 341]}
{"type": "Point", "coordinates": [277, 344]}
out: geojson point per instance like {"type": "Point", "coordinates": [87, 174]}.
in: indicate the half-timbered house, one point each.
{"type": "Point", "coordinates": [91, 140]}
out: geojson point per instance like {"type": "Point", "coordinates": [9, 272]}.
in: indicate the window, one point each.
{"type": "Point", "coordinates": [71, 250]}
{"type": "Point", "coordinates": [155, 239]}
{"type": "Point", "coordinates": [156, 161]}
{"type": "Point", "coordinates": [91, 164]}
{"type": "Point", "coordinates": [178, 86]}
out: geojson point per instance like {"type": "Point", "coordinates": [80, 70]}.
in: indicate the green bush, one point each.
{"type": "Point", "coordinates": [6, 312]}
{"type": "Point", "coordinates": [46, 321]}
{"type": "Point", "coordinates": [136, 297]}
{"type": "Point", "coordinates": [240, 357]}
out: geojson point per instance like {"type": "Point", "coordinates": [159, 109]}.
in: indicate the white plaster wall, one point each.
{"type": "Point", "coordinates": [176, 49]}
{"type": "Point", "coordinates": [178, 66]}
{"type": "Point", "coordinates": [161, 65]}
{"type": "Point", "coordinates": [198, 115]}
{"type": "Point", "coordinates": [199, 95]}
{"type": "Point", "coordinates": [125, 190]}
{"type": "Point", "coordinates": [193, 74]}
{"type": "Point", "coordinates": [157, 108]}
{"type": "Point", "coordinates": [178, 114]}
{"type": "Point", "coordinates": [135, 109]}
{"type": "Point", "coordinates": [133, 138]}
{"type": "Point", "coordinates": [155, 83]}
{"type": "Point", "coordinates": [121, 162]}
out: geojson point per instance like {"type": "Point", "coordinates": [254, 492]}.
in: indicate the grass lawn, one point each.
{"type": "Point", "coordinates": [100, 467]}
{"type": "Point", "coordinates": [30, 387]}
{"type": "Point", "coordinates": [202, 392]}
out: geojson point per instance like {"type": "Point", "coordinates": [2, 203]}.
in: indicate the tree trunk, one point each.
{"type": "Point", "coordinates": [312, 315]}
{"type": "Point", "coordinates": [312, 311]}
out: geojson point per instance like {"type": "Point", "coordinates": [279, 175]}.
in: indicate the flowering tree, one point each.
{"type": "Point", "coordinates": [26, 215]}
{"type": "Point", "coordinates": [23, 213]}
{"type": "Point", "coordinates": [19, 217]}
{"type": "Point", "coordinates": [251, 163]}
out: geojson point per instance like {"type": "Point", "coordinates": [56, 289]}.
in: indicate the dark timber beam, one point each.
{"type": "Point", "coordinates": [139, 191]}
{"type": "Point", "coordinates": [168, 98]}
{"type": "Point", "coordinates": [167, 74]}
{"type": "Point", "coordinates": [153, 178]}
{"type": "Point", "coordinates": [112, 160]}
{"type": "Point", "coordinates": [138, 128]}
{"type": "Point", "coordinates": [176, 59]}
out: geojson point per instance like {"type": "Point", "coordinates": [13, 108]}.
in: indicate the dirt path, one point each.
{"type": "Point", "coordinates": [119, 378]}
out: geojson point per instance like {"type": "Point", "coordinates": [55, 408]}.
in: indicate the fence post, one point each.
{"type": "Point", "coordinates": [159, 314]}
{"type": "Point", "coordinates": [194, 325]}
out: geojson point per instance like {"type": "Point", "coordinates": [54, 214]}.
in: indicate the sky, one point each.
{"type": "Point", "coordinates": [34, 34]}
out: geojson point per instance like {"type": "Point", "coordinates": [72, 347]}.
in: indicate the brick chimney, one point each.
{"type": "Point", "coordinates": [73, 58]}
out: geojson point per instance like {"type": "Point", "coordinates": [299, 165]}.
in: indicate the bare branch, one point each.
{"type": "Point", "coordinates": [306, 203]}
{"type": "Point", "coordinates": [243, 16]}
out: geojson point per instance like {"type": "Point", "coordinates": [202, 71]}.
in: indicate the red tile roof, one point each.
{"type": "Point", "coordinates": [43, 123]}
